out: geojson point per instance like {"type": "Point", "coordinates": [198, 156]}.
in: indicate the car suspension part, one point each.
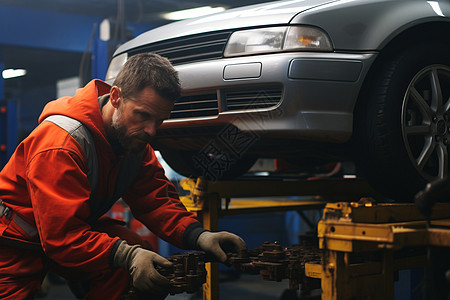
{"type": "Point", "coordinates": [187, 274]}
{"type": "Point", "coordinates": [275, 263]}
{"type": "Point", "coordinates": [272, 261]}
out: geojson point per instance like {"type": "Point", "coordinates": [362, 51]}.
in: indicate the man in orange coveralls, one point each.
{"type": "Point", "coordinates": [51, 219]}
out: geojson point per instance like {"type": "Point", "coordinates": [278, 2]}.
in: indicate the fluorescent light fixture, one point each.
{"type": "Point", "coordinates": [192, 13]}
{"type": "Point", "coordinates": [11, 73]}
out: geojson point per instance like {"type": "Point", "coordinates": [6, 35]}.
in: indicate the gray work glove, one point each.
{"type": "Point", "coordinates": [141, 265]}
{"type": "Point", "coordinates": [218, 243]}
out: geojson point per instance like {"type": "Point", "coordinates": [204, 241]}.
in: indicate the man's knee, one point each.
{"type": "Point", "coordinates": [21, 273]}
{"type": "Point", "coordinates": [108, 286]}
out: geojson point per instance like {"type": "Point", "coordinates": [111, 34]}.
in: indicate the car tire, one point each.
{"type": "Point", "coordinates": [219, 166]}
{"type": "Point", "coordinates": [403, 121]}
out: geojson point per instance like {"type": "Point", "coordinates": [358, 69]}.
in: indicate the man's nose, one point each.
{"type": "Point", "coordinates": [150, 129]}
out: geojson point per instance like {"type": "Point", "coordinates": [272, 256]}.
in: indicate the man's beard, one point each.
{"type": "Point", "coordinates": [128, 142]}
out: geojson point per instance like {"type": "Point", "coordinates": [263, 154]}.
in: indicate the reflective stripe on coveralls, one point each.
{"type": "Point", "coordinates": [84, 137]}
{"type": "Point", "coordinates": [128, 171]}
{"type": "Point", "coordinates": [129, 167]}
{"type": "Point", "coordinates": [8, 213]}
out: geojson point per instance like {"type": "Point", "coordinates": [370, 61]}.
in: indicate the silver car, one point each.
{"type": "Point", "coordinates": [310, 81]}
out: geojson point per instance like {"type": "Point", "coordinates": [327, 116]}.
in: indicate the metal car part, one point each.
{"type": "Point", "coordinates": [187, 274]}
{"type": "Point", "coordinates": [426, 114]}
{"type": "Point", "coordinates": [275, 263]}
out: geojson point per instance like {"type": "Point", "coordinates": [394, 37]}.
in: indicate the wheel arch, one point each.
{"type": "Point", "coordinates": [375, 135]}
{"type": "Point", "coordinates": [421, 33]}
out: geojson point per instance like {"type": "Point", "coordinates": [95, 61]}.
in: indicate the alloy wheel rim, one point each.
{"type": "Point", "coordinates": [426, 121]}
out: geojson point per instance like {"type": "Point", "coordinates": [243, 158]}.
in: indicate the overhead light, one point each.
{"type": "Point", "coordinates": [11, 73]}
{"type": "Point", "coordinates": [192, 12]}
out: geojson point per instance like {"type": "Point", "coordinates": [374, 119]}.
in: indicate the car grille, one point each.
{"type": "Point", "coordinates": [203, 47]}
{"type": "Point", "coordinates": [189, 48]}
{"type": "Point", "coordinates": [208, 104]}
{"type": "Point", "coordinates": [196, 106]}
{"type": "Point", "coordinates": [252, 99]}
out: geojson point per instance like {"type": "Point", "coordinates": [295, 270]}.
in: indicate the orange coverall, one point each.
{"type": "Point", "coordinates": [45, 184]}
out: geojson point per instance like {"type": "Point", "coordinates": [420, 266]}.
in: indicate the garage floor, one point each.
{"type": "Point", "coordinates": [246, 287]}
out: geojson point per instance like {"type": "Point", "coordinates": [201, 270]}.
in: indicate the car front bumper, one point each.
{"type": "Point", "coordinates": [318, 93]}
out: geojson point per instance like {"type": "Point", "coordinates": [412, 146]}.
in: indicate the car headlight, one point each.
{"type": "Point", "coordinates": [115, 66]}
{"type": "Point", "coordinates": [277, 39]}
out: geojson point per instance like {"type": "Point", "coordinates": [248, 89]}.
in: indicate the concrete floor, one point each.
{"type": "Point", "coordinates": [246, 287]}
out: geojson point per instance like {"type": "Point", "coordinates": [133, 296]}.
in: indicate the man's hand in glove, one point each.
{"type": "Point", "coordinates": [218, 243]}
{"type": "Point", "coordinates": [141, 265]}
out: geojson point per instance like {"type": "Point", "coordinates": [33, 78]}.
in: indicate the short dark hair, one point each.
{"type": "Point", "coordinates": [148, 69]}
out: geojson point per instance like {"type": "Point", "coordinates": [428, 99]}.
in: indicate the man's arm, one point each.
{"type": "Point", "coordinates": [154, 201]}
{"type": "Point", "coordinates": [59, 190]}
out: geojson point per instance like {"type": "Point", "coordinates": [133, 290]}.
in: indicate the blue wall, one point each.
{"type": "Point", "coordinates": [45, 30]}
{"type": "Point", "coordinates": [49, 30]}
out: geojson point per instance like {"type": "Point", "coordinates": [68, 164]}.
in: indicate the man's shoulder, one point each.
{"type": "Point", "coordinates": [49, 136]}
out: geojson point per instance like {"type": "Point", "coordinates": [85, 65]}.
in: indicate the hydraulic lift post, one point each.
{"type": "Point", "coordinates": [210, 215]}
{"type": "Point", "coordinates": [361, 246]}
{"type": "Point", "coordinates": [251, 196]}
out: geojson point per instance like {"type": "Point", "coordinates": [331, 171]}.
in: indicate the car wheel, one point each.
{"type": "Point", "coordinates": [404, 121]}
{"type": "Point", "coordinates": [212, 166]}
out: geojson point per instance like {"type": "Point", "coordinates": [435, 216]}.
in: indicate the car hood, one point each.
{"type": "Point", "coordinates": [273, 13]}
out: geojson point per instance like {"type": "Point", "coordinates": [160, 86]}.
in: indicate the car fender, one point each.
{"type": "Point", "coordinates": [368, 25]}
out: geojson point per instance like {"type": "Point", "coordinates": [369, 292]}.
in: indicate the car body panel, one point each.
{"type": "Point", "coordinates": [319, 90]}
{"type": "Point", "coordinates": [309, 113]}
{"type": "Point", "coordinates": [280, 12]}
{"type": "Point", "coordinates": [367, 24]}
{"type": "Point", "coordinates": [363, 30]}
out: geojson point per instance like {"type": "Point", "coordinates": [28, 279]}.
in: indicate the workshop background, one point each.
{"type": "Point", "coordinates": [61, 45]}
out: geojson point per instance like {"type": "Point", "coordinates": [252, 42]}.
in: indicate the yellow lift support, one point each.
{"type": "Point", "coordinates": [214, 199]}
{"type": "Point", "coordinates": [347, 229]}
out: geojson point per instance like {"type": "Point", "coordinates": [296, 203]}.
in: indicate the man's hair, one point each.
{"type": "Point", "coordinates": [148, 69]}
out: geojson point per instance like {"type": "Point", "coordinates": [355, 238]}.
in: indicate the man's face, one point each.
{"type": "Point", "coordinates": [136, 120]}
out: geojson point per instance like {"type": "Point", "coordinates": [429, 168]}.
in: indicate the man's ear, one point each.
{"type": "Point", "coordinates": [114, 96]}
